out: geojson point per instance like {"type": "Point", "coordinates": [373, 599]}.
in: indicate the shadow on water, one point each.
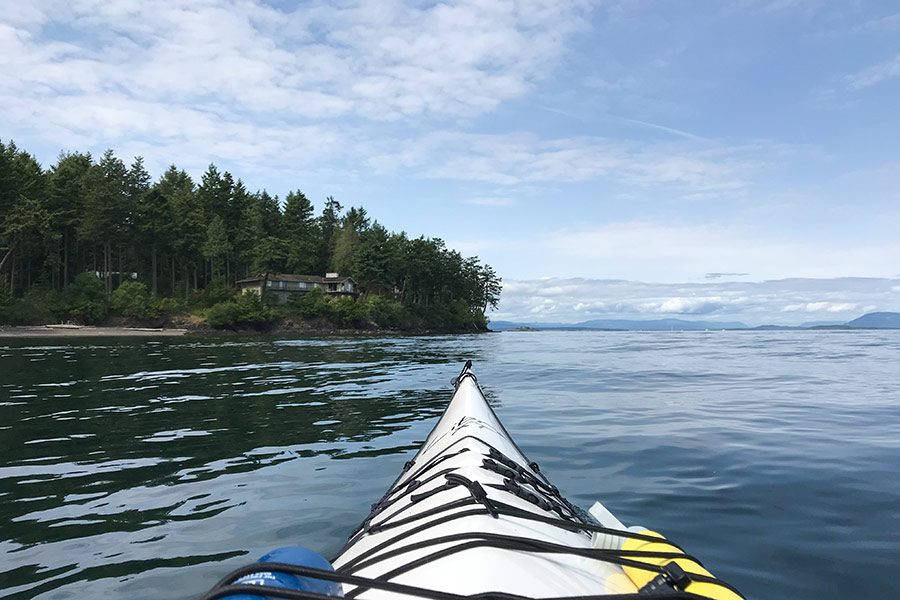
{"type": "Point", "coordinates": [122, 439]}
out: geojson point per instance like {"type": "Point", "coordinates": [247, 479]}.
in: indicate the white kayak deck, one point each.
{"type": "Point", "coordinates": [406, 541]}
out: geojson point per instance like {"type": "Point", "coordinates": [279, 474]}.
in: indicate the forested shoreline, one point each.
{"type": "Point", "coordinates": [95, 240]}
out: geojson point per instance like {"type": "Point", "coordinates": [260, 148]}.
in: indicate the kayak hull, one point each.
{"type": "Point", "coordinates": [443, 528]}
{"type": "Point", "coordinates": [470, 515]}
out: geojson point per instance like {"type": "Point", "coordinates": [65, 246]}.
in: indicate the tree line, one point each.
{"type": "Point", "coordinates": [179, 236]}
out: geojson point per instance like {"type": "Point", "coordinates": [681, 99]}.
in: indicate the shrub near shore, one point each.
{"type": "Point", "coordinates": [316, 310]}
{"type": "Point", "coordinates": [219, 307]}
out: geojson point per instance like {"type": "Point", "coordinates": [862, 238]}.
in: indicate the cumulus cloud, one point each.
{"type": "Point", "coordinates": [784, 301]}
{"type": "Point", "coordinates": [247, 80]}
{"type": "Point", "coordinates": [830, 307]}
{"type": "Point", "coordinates": [384, 60]}
{"type": "Point", "coordinates": [383, 87]}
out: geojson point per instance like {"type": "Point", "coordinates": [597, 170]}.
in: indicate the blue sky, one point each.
{"type": "Point", "coordinates": [605, 157]}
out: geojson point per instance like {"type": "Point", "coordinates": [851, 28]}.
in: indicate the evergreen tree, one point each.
{"type": "Point", "coordinates": [374, 258]}
{"type": "Point", "coordinates": [155, 226]}
{"type": "Point", "coordinates": [105, 216]}
{"type": "Point", "coordinates": [329, 223]}
{"type": "Point", "coordinates": [347, 241]}
{"type": "Point", "coordinates": [187, 229]}
{"type": "Point", "coordinates": [301, 235]}
{"type": "Point", "coordinates": [137, 191]}
{"type": "Point", "coordinates": [264, 251]}
{"type": "Point", "coordinates": [216, 247]}
{"type": "Point", "coordinates": [24, 220]}
{"type": "Point", "coordinates": [66, 197]}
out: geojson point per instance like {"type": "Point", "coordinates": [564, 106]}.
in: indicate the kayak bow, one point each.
{"type": "Point", "coordinates": [470, 515]}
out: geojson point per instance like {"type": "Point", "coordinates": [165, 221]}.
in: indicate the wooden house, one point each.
{"type": "Point", "coordinates": [283, 285]}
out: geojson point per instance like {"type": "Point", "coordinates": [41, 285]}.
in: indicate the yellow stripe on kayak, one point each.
{"type": "Point", "coordinates": [641, 577]}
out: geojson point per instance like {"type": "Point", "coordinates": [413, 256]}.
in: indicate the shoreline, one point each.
{"type": "Point", "coordinates": [85, 331]}
{"type": "Point", "coordinates": [25, 332]}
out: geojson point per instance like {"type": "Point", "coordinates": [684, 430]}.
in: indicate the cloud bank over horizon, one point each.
{"type": "Point", "coordinates": [778, 302]}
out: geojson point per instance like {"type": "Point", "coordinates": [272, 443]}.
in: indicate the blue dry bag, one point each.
{"type": "Point", "coordinates": [294, 555]}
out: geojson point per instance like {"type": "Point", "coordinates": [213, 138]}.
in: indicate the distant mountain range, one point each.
{"type": "Point", "coordinates": [875, 320]}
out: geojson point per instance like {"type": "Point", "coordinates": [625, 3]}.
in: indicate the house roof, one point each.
{"type": "Point", "coordinates": [297, 278]}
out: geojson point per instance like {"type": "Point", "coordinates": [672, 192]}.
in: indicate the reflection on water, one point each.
{"type": "Point", "coordinates": [149, 468]}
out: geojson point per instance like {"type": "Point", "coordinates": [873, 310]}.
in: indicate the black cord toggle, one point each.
{"type": "Point", "coordinates": [524, 494]}
{"type": "Point", "coordinates": [672, 577]}
{"type": "Point", "coordinates": [464, 373]}
{"type": "Point", "coordinates": [477, 491]}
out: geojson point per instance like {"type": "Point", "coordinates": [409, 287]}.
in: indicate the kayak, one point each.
{"type": "Point", "coordinates": [470, 515]}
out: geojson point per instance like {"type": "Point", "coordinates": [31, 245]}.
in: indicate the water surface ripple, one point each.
{"type": "Point", "coordinates": [147, 469]}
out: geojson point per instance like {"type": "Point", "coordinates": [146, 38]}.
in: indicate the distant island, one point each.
{"type": "Point", "coordinates": [93, 241]}
{"type": "Point", "coordinates": [877, 320]}
{"type": "Point", "coordinates": [874, 320]}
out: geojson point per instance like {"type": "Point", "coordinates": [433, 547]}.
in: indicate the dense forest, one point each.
{"type": "Point", "coordinates": [87, 240]}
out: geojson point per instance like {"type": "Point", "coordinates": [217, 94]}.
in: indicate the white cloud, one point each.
{"type": "Point", "coordinates": [490, 201]}
{"type": "Point", "coordinates": [672, 252]}
{"type": "Point", "coordinates": [885, 23]}
{"type": "Point", "coordinates": [382, 60]}
{"type": "Point", "coordinates": [229, 75]}
{"type": "Point", "coordinates": [772, 6]}
{"type": "Point", "coordinates": [517, 159]}
{"type": "Point", "coordinates": [687, 306]}
{"type": "Point", "coordinates": [264, 87]}
{"type": "Point", "coordinates": [818, 307]}
{"type": "Point", "coordinates": [683, 252]}
{"type": "Point", "coordinates": [875, 74]}
{"type": "Point", "coordinates": [784, 301]}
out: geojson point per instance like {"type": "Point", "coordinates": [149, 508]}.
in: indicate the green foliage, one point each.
{"type": "Point", "coordinates": [167, 306]}
{"type": "Point", "coordinates": [40, 304]}
{"type": "Point", "coordinates": [328, 222]}
{"type": "Point", "coordinates": [217, 291]}
{"type": "Point", "coordinates": [301, 234]}
{"type": "Point", "coordinates": [345, 311]}
{"type": "Point", "coordinates": [314, 303]}
{"type": "Point", "coordinates": [217, 245]}
{"type": "Point", "coordinates": [105, 200]}
{"type": "Point", "coordinates": [269, 254]}
{"type": "Point", "coordinates": [347, 241]}
{"type": "Point", "coordinates": [190, 241]}
{"type": "Point", "coordinates": [246, 310]}
{"type": "Point", "coordinates": [85, 299]}
{"type": "Point", "coordinates": [131, 299]}
{"type": "Point", "coordinates": [6, 295]}
{"type": "Point", "coordinates": [380, 310]}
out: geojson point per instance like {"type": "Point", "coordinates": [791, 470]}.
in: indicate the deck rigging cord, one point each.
{"type": "Point", "coordinates": [669, 580]}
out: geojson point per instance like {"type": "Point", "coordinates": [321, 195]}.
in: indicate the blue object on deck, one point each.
{"type": "Point", "coordinates": [294, 555]}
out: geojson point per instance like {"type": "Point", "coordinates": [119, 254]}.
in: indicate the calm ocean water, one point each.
{"type": "Point", "coordinates": [147, 469]}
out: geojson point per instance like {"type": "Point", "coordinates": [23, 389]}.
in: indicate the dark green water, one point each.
{"type": "Point", "coordinates": [147, 469]}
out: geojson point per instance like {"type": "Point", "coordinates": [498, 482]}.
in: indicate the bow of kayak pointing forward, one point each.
{"type": "Point", "coordinates": [470, 515]}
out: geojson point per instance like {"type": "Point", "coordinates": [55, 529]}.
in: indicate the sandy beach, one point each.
{"type": "Point", "coordinates": [79, 331]}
